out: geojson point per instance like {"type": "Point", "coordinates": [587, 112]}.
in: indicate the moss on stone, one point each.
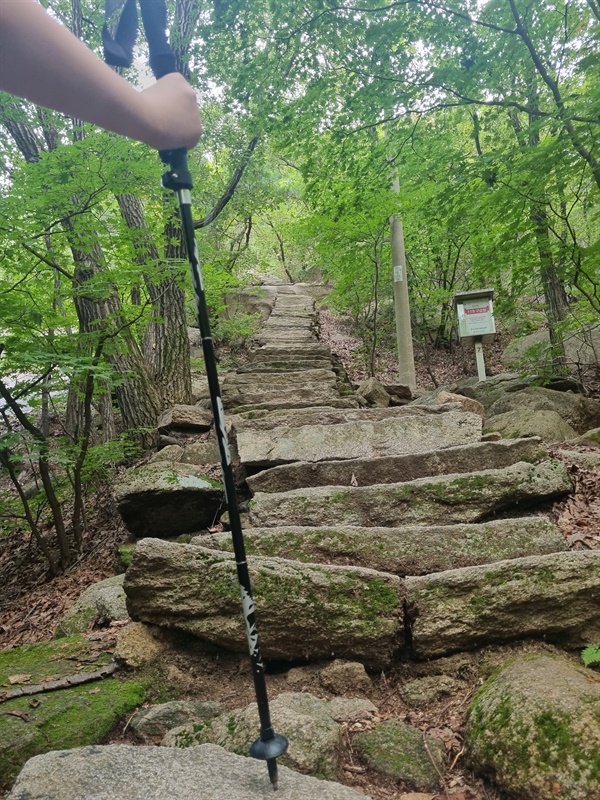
{"type": "Point", "coordinates": [59, 720]}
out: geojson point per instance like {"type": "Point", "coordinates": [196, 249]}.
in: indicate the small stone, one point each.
{"type": "Point", "coordinates": [467, 403]}
{"type": "Point", "coordinates": [139, 644]}
{"type": "Point", "coordinates": [374, 393]}
{"type": "Point", "coordinates": [398, 750]}
{"type": "Point", "coordinates": [157, 720]}
{"type": "Point", "coordinates": [421, 692]}
{"type": "Point", "coordinates": [345, 708]}
{"type": "Point", "coordinates": [345, 677]}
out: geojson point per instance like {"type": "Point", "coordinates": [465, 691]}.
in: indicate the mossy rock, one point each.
{"type": "Point", "coordinates": [314, 737]}
{"type": "Point", "coordinates": [534, 728]}
{"type": "Point", "coordinates": [398, 750]}
{"type": "Point", "coordinates": [64, 718]}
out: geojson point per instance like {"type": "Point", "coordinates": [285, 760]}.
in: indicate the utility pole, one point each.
{"type": "Point", "coordinates": [406, 359]}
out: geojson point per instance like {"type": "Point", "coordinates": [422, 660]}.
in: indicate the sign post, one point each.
{"type": "Point", "coordinates": [476, 321]}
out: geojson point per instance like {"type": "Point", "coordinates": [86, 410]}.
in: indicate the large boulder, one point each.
{"type": "Point", "coordinates": [104, 600]}
{"type": "Point", "coordinates": [554, 597]}
{"type": "Point", "coordinates": [548, 425]}
{"type": "Point", "coordinates": [303, 610]}
{"type": "Point", "coordinates": [167, 499]}
{"type": "Point", "coordinates": [581, 413]}
{"type": "Point", "coordinates": [442, 500]}
{"type": "Point", "coordinates": [534, 728]}
{"type": "Point", "coordinates": [581, 349]}
{"type": "Point", "coordinates": [186, 418]}
{"type": "Point", "coordinates": [155, 721]}
{"type": "Point", "coordinates": [123, 772]}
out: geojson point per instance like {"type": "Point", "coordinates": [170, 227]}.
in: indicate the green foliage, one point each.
{"type": "Point", "coordinates": [590, 655]}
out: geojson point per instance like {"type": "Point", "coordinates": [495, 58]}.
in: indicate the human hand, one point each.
{"type": "Point", "coordinates": [172, 115]}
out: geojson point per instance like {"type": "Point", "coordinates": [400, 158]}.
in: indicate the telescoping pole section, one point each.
{"type": "Point", "coordinates": [270, 745]}
{"type": "Point", "coordinates": [119, 37]}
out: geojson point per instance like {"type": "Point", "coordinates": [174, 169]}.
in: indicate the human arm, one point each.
{"type": "Point", "coordinates": [43, 62]}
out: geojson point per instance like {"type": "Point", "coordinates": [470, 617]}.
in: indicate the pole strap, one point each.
{"type": "Point", "coordinates": [120, 31]}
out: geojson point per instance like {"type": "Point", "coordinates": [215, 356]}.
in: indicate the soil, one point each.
{"type": "Point", "coordinates": [32, 605]}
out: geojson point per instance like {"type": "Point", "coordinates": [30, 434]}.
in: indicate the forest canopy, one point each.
{"type": "Point", "coordinates": [486, 114]}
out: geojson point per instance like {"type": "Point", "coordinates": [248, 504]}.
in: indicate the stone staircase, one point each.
{"type": "Point", "coordinates": [374, 535]}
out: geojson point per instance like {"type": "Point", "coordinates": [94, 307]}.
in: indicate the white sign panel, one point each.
{"type": "Point", "coordinates": [476, 317]}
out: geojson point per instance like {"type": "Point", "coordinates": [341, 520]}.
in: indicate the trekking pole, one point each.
{"type": "Point", "coordinates": [270, 745]}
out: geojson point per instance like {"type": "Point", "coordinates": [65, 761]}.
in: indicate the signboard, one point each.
{"type": "Point", "coordinates": [475, 314]}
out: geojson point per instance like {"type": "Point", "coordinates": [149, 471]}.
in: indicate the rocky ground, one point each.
{"type": "Point", "coordinates": [31, 608]}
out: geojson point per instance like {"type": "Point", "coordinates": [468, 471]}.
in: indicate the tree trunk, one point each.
{"type": "Point", "coordinates": [166, 346]}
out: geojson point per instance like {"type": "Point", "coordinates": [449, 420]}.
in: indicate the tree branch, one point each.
{"type": "Point", "coordinates": [231, 187]}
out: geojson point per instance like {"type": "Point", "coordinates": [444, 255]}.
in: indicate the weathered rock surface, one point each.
{"type": "Point", "coordinates": [305, 610]}
{"type": "Point", "coordinates": [299, 418]}
{"type": "Point", "coordinates": [396, 469]}
{"type": "Point", "coordinates": [374, 393]}
{"type": "Point", "coordinates": [440, 500]}
{"type": "Point", "coordinates": [466, 402]}
{"type": "Point", "coordinates": [554, 596]}
{"type": "Point", "coordinates": [345, 677]}
{"type": "Point", "coordinates": [319, 377]}
{"type": "Point", "coordinates": [534, 728]}
{"type": "Point", "coordinates": [154, 722]}
{"type": "Point", "coordinates": [315, 738]}
{"type": "Point", "coordinates": [398, 750]}
{"type": "Point", "coordinates": [422, 691]}
{"type": "Point", "coordinates": [548, 425]}
{"type": "Point", "coordinates": [167, 499]}
{"type": "Point", "coordinates": [396, 435]}
{"type": "Point", "coordinates": [280, 397]}
{"type": "Point", "coordinates": [411, 550]}
{"type": "Point", "coordinates": [186, 417]}
{"type": "Point", "coordinates": [103, 600]}
{"type": "Point", "coordinates": [122, 772]}
{"type": "Point", "coordinates": [139, 644]}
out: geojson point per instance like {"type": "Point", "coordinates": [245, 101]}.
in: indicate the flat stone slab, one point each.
{"type": "Point", "coordinates": [442, 500]}
{"type": "Point", "coordinates": [167, 499]}
{"type": "Point", "coordinates": [188, 417]}
{"type": "Point", "coordinates": [394, 469]}
{"type": "Point", "coordinates": [316, 349]}
{"type": "Point", "coordinates": [395, 435]}
{"type": "Point", "coordinates": [328, 416]}
{"type": "Point", "coordinates": [286, 364]}
{"type": "Point", "coordinates": [252, 395]}
{"type": "Point", "coordinates": [123, 772]}
{"type": "Point", "coordinates": [301, 378]}
{"type": "Point", "coordinates": [303, 610]}
{"type": "Point", "coordinates": [554, 597]}
{"type": "Point", "coordinates": [411, 550]}
{"type": "Point", "coordinates": [333, 401]}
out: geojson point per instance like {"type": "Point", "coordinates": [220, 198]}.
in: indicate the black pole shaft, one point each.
{"type": "Point", "coordinates": [270, 745]}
